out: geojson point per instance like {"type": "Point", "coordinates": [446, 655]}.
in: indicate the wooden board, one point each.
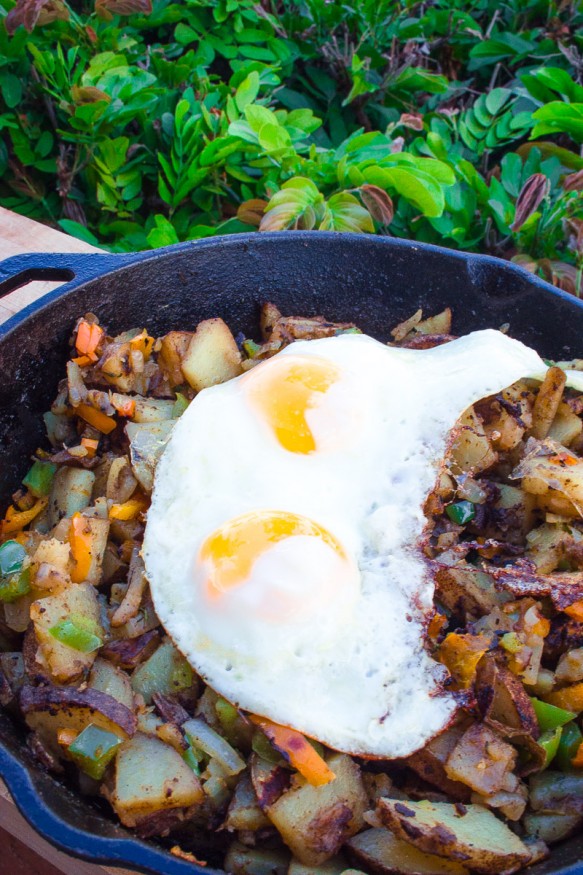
{"type": "Point", "coordinates": [18, 235]}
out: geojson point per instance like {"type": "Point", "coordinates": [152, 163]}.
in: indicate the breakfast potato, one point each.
{"type": "Point", "coordinates": [470, 834]}
{"type": "Point", "coordinates": [152, 409]}
{"type": "Point", "coordinates": [147, 442]}
{"type": "Point", "coordinates": [212, 356]}
{"type": "Point", "coordinates": [49, 710]}
{"type": "Point", "coordinates": [244, 811]}
{"type": "Point", "coordinates": [151, 776]}
{"type": "Point", "coordinates": [336, 866]}
{"type": "Point", "coordinates": [241, 860]}
{"type": "Point", "coordinates": [547, 402]}
{"type": "Point", "coordinates": [269, 780]}
{"type": "Point", "coordinates": [383, 853]}
{"type": "Point", "coordinates": [120, 482]}
{"type": "Point", "coordinates": [552, 828]}
{"type": "Point", "coordinates": [111, 680]}
{"type": "Point", "coordinates": [549, 467]}
{"type": "Point", "coordinates": [166, 671]}
{"type": "Point", "coordinates": [429, 763]}
{"type": "Point", "coordinates": [173, 347]}
{"type": "Point", "coordinates": [471, 449]}
{"type": "Point", "coordinates": [481, 760]}
{"type": "Point", "coordinates": [70, 493]}
{"type": "Point", "coordinates": [314, 822]}
{"type": "Point", "coordinates": [76, 600]}
{"type": "Point", "coordinates": [566, 426]}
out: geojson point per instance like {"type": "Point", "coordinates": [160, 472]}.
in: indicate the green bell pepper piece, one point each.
{"type": "Point", "coordinates": [568, 746]}
{"type": "Point", "coordinates": [549, 741]}
{"type": "Point", "coordinates": [180, 405]}
{"type": "Point", "coordinates": [39, 479]}
{"type": "Point", "coordinates": [263, 747]}
{"type": "Point", "coordinates": [15, 586]}
{"type": "Point", "coordinates": [251, 348]}
{"type": "Point", "coordinates": [461, 512]}
{"type": "Point", "coordinates": [192, 757]}
{"type": "Point", "coordinates": [549, 716]}
{"type": "Point", "coordinates": [12, 556]}
{"type": "Point", "coordinates": [78, 633]}
{"type": "Point", "coordinates": [94, 749]}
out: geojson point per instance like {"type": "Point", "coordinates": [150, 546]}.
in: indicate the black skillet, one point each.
{"type": "Point", "coordinates": [372, 281]}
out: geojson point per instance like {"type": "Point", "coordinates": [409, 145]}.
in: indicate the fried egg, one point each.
{"type": "Point", "coordinates": [282, 543]}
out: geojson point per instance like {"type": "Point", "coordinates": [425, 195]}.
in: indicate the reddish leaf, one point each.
{"type": "Point", "coordinates": [533, 191]}
{"type": "Point", "coordinates": [251, 212]}
{"type": "Point", "coordinates": [412, 120]}
{"type": "Point", "coordinates": [106, 9]}
{"type": "Point", "coordinates": [29, 13]}
{"type": "Point", "coordinates": [574, 181]}
{"type": "Point", "coordinates": [378, 203]}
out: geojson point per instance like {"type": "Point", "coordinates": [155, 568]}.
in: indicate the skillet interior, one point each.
{"type": "Point", "coordinates": [372, 281]}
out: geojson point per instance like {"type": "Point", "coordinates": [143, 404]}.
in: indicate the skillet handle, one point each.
{"type": "Point", "coordinates": [54, 266]}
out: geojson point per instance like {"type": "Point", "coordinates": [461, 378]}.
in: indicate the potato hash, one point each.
{"type": "Point", "coordinates": [110, 704]}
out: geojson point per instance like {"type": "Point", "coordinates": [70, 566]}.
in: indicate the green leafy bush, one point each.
{"type": "Point", "coordinates": [139, 123]}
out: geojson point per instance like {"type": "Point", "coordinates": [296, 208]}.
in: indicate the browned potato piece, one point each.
{"type": "Point", "coordinates": [49, 709]}
{"type": "Point", "coordinates": [552, 471]}
{"type": "Point", "coordinates": [241, 860]}
{"type": "Point", "coordinates": [147, 442]}
{"type": "Point", "coordinates": [152, 409]}
{"type": "Point", "coordinates": [470, 834]}
{"type": "Point", "coordinates": [151, 776]}
{"type": "Point", "coordinates": [65, 663]}
{"type": "Point", "coordinates": [566, 426]}
{"type": "Point", "coordinates": [429, 763]}
{"type": "Point", "coordinates": [244, 811]}
{"type": "Point", "coordinates": [121, 482]}
{"type": "Point", "coordinates": [314, 822]}
{"type": "Point", "coordinates": [471, 450]}
{"type": "Point", "coordinates": [173, 348]}
{"type": "Point", "coordinates": [336, 866]}
{"type": "Point", "coordinates": [113, 681]}
{"type": "Point", "coordinates": [212, 356]}
{"type": "Point", "coordinates": [269, 781]}
{"type": "Point", "coordinates": [438, 324]}
{"type": "Point", "coordinates": [547, 402]}
{"type": "Point", "coordinates": [385, 854]}
{"type": "Point", "coordinates": [481, 760]}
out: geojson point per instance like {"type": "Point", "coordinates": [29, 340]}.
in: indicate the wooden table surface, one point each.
{"type": "Point", "coordinates": [23, 851]}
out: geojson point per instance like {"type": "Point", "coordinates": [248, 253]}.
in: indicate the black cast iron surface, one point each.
{"type": "Point", "coordinates": [372, 281]}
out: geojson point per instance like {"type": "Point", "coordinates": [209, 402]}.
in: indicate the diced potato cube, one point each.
{"type": "Point", "coordinates": [113, 681]}
{"type": "Point", "coordinates": [315, 821]}
{"type": "Point", "coordinates": [382, 852]}
{"type": "Point", "coordinates": [173, 348]}
{"type": "Point", "coordinates": [78, 599]}
{"type": "Point", "coordinates": [212, 356]}
{"type": "Point", "coordinates": [566, 426]}
{"type": "Point", "coordinates": [471, 450]}
{"type": "Point", "coordinates": [151, 776]}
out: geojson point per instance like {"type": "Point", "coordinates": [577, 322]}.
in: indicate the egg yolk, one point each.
{"type": "Point", "coordinates": [284, 390]}
{"type": "Point", "coordinates": [232, 550]}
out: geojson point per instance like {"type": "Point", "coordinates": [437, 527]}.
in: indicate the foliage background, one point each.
{"type": "Point", "coordinates": [135, 124]}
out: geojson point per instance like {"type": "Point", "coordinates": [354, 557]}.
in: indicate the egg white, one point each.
{"type": "Point", "coordinates": [351, 670]}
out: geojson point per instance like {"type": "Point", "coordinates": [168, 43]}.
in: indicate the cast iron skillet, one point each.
{"type": "Point", "coordinates": [372, 281]}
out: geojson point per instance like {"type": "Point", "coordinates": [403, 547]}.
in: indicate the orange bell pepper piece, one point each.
{"type": "Point", "coordinates": [90, 445]}
{"type": "Point", "coordinates": [297, 750]}
{"type": "Point", "coordinates": [16, 520]}
{"type": "Point", "coordinates": [96, 418]}
{"type": "Point", "coordinates": [569, 698]}
{"type": "Point", "coordinates": [575, 610]}
{"type": "Point", "coordinates": [461, 654]}
{"type": "Point", "coordinates": [82, 360]}
{"type": "Point", "coordinates": [129, 510]}
{"type": "Point", "coordinates": [143, 343]}
{"type": "Point", "coordinates": [80, 541]}
{"type": "Point", "coordinates": [89, 336]}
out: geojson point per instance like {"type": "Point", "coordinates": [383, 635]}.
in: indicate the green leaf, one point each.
{"type": "Point", "coordinates": [419, 79]}
{"type": "Point", "coordinates": [247, 91]}
{"type": "Point", "coordinates": [11, 89]}
{"type": "Point", "coordinates": [163, 234]}
{"type": "Point", "coordinates": [257, 116]}
{"type": "Point", "coordinates": [75, 229]}
{"type": "Point", "coordinates": [496, 99]}
{"type": "Point", "coordinates": [557, 117]}
{"type": "Point", "coordinates": [415, 186]}
{"type": "Point", "coordinates": [343, 212]}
